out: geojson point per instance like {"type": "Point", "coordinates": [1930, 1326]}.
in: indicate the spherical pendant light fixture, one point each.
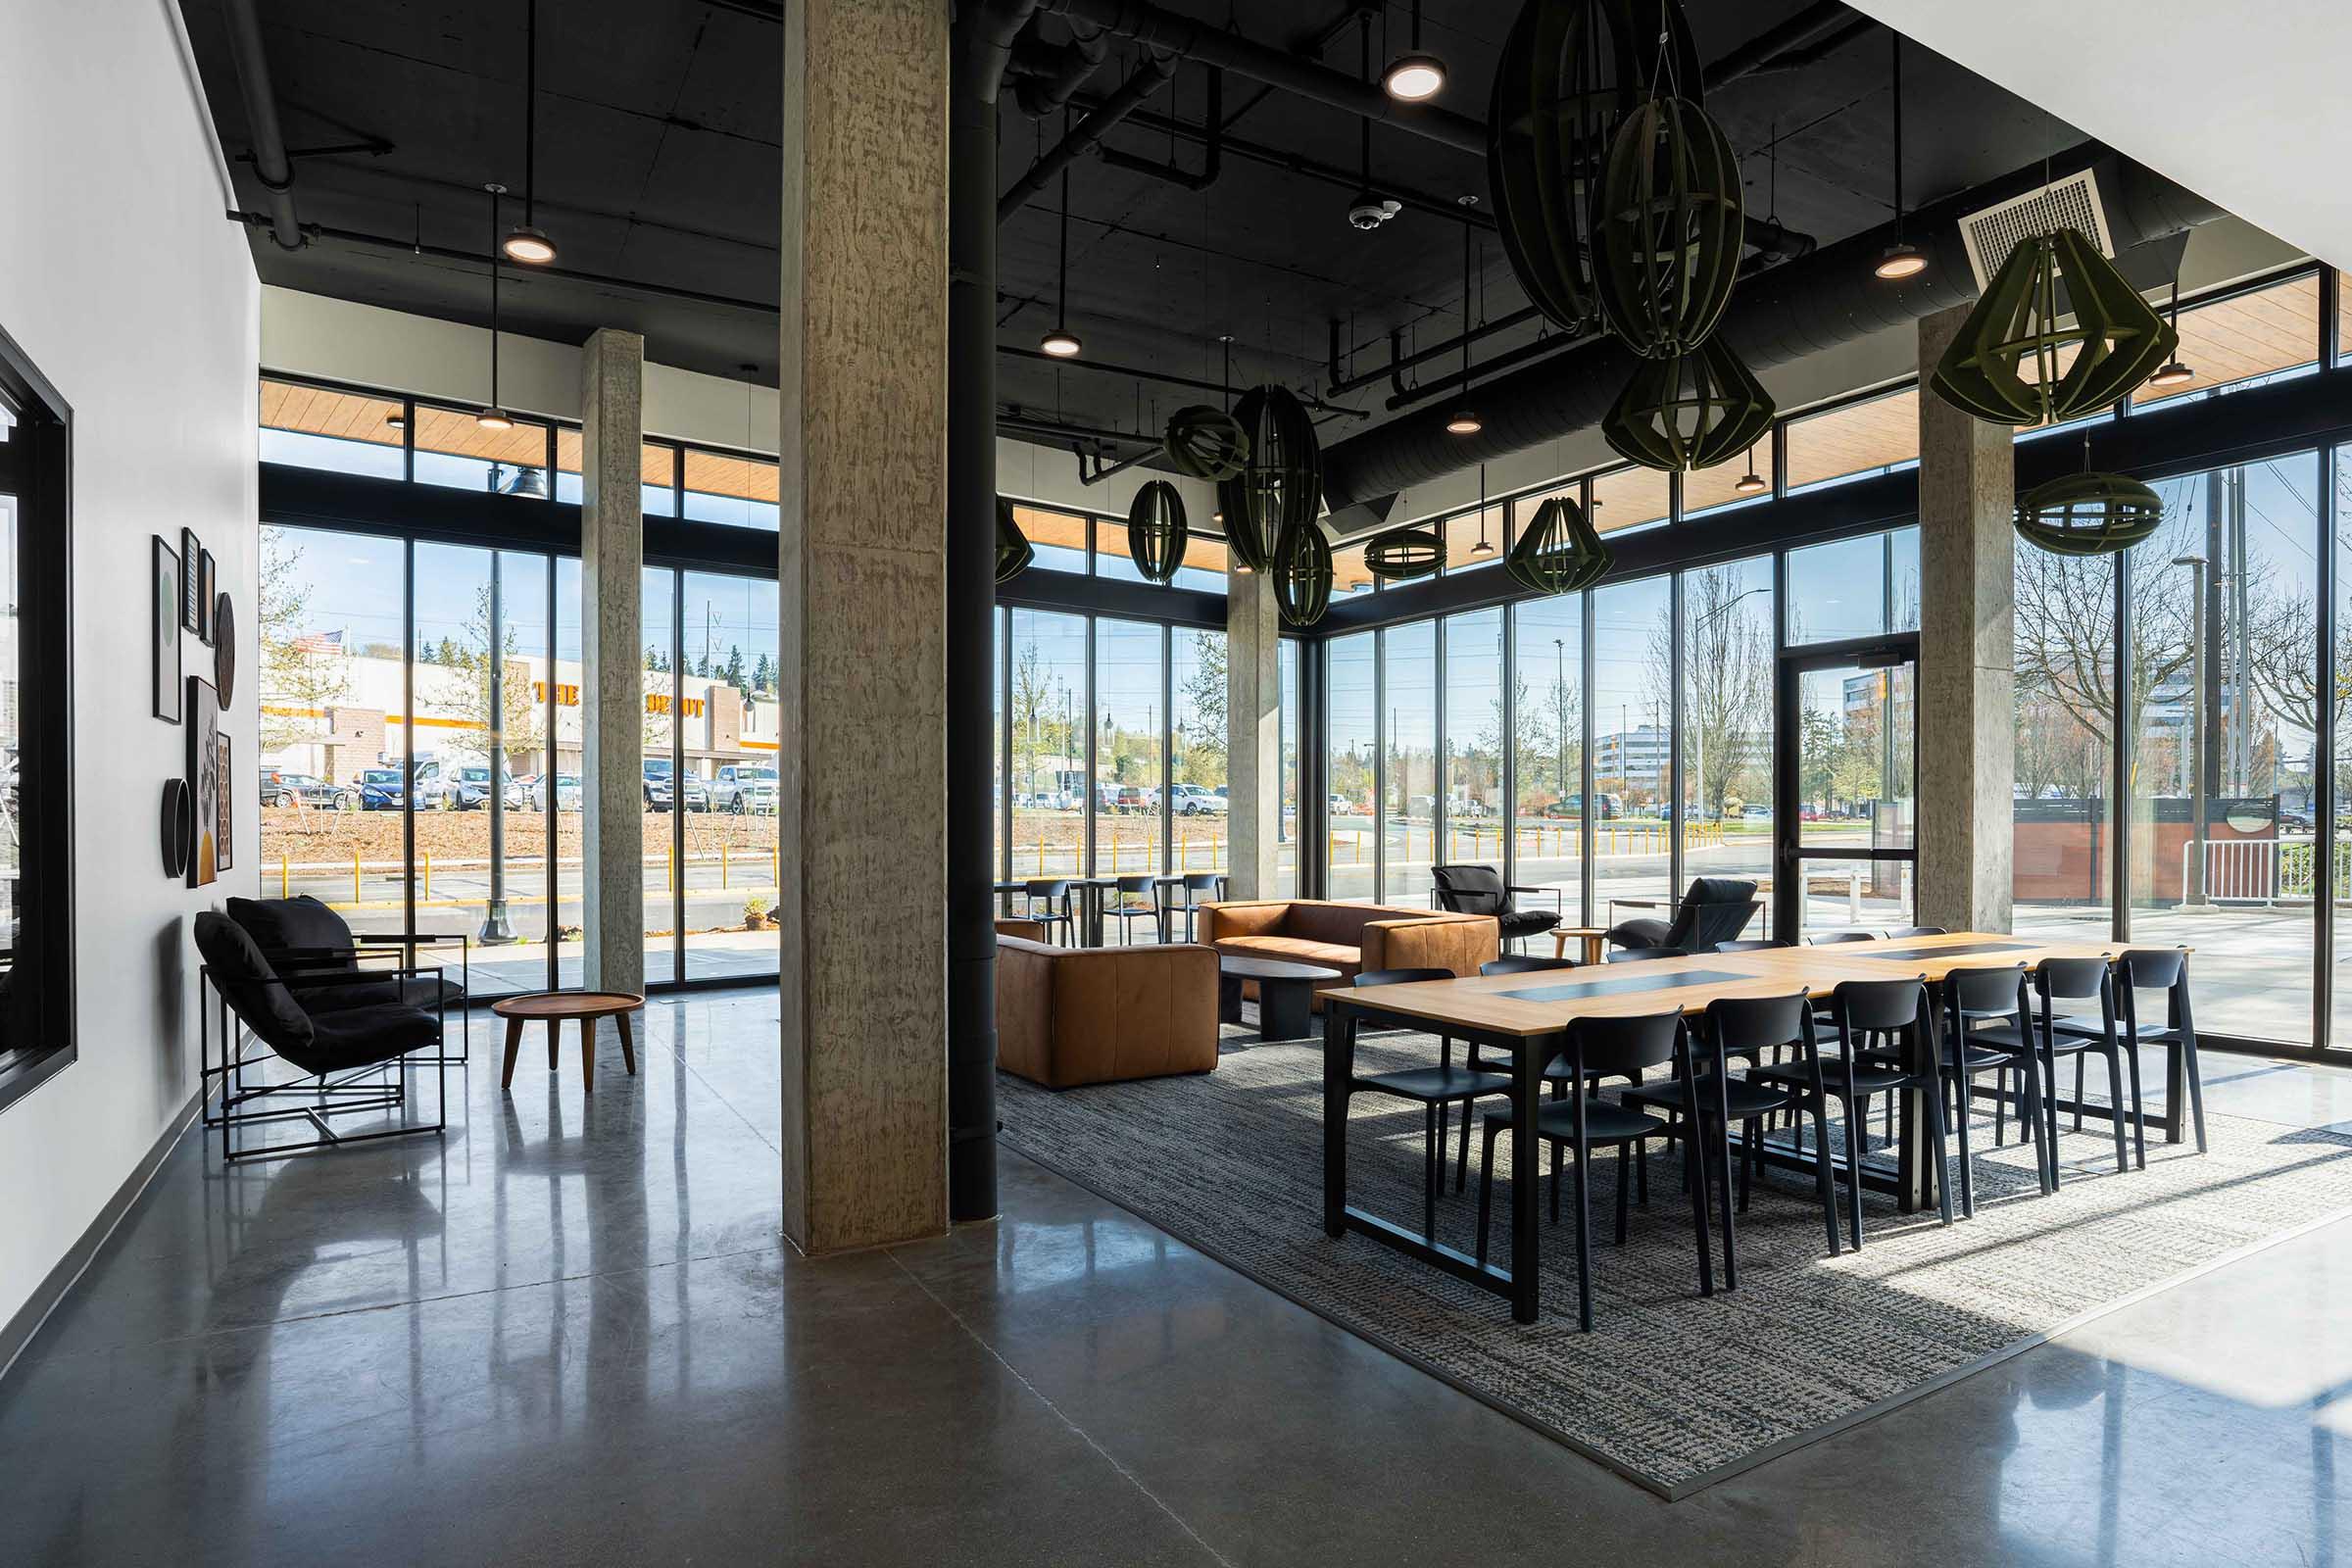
{"type": "Point", "coordinates": [1414, 77]}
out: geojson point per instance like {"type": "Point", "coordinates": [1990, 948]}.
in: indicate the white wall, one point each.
{"type": "Point", "coordinates": [126, 285]}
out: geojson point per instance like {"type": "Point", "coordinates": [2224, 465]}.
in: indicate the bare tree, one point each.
{"type": "Point", "coordinates": [303, 669]}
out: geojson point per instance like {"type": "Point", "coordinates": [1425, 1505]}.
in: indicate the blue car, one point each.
{"type": "Point", "coordinates": [378, 789]}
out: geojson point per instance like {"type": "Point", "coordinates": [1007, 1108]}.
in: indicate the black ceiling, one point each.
{"type": "Point", "coordinates": [657, 163]}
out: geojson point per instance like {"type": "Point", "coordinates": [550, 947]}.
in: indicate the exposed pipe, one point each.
{"type": "Point", "coordinates": [1744, 60]}
{"type": "Point", "coordinates": [1213, 158]}
{"type": "Point", "coordinates": [1133, 373]}
{"type": "Point", "coordinates": [1441, 348]}
{"type": "Point", "coordinates": [1780, 316]}
{"type": "Point", "coordinates": [1059, 430]}
{"type": "Point", "coordinates": [1149, 25]}
{"type": "Point", "coordinates": [272, 169]}
{"type": "Point", "coordinates": [444, 253]}
{"type": "Point", "coordinates": [1149, 77]}
{"type": "Point", "coordinates": [1058, 70]}
{"type": "Point", "coordinates": [1816, 52]}
{"type": "Point", "coordinates": [981, 47]}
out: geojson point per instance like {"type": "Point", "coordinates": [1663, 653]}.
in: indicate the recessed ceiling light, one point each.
{"type": "Point", "coordinates": [1413, 78]}
{"type": "Point", "coordinates": [528, 246]}
{"type": "Point", "coordinates": [1902, 260]}
{"type": "Point", "coordinates": [2173, 373]}
{"type": "Point", "coordinates": [1062, 343]}
{"type": "Point", "coordinates": [1464, 421]}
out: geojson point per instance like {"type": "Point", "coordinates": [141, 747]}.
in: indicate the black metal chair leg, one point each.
{"type": "Point", "coordinates": [1944, 1174]}
{"type": "Point", "coordinates": [1853, 1168]}
{"type": "Point", "coordinates": [1823, 1177]}
{"type": "Point", "coordinates": [1749, 1132]}
{"type": "Point", "coordinates": [1432, 1165]}
{"type": "Point", "coordinates": [2115, 1103]}
{"type": "Point", "coordinates": [2139, 1119]}
{"type": "Point", "coordinates": [2000, 1107]}
{"type": "Point", "coordinates": [2197, 1087]}
{"type": "Point", "coordinates": [1968, 1180]}
{"type": "Point", "coordinates": [2049, 1110]}
{"type": "Point", "coordinates": [1625, 1185]}
{"type": "Point", "coordinates": [1583, 1245]}
{"type": "Point", "coordinates": [2078, 1091]}
{"type": "Point", "coordinates": [1488, 1130]}
{"type": "Point", "coordinates": [1461, 1169]}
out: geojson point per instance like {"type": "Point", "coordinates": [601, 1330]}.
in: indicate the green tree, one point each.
{"type": "Point", "coordinates": [1201, 736]}
{"type": "Point", "coordinates": [300, 677]}
{"type": "Point", "coordinates": [466, 690]}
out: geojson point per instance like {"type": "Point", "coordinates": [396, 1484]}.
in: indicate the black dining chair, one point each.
{"type": "Point", "coordinates": [1975, 1001]}
{"type": "Point", "coordinates": [1581, 1122]}
{"type": "Point", "coordinates": [1124, 909]}
{"type": "Point", "coordinates": [1481, 890]}
{"type": "Point", "coordinates": [1749, 1028]}
{"type": "Point", "coordinates": [1524, 963]}
{"type": "Point", "coordinates": [1893, 1009]}
{"type": "Point", "coordinates": [2057, 980]}
{"type": "Point", "coordinates": [2164, 969]}
{"type": "Point", "coordinates": [1048, 902]}
{"type": "Point", "coordinates": [1750, 945]}
{"type": "Point", "coordinates": [1433, 1090]}
{"type": "Point", "coordinates": [1902, 931]}
{"type": "Point", "coordinates": [1189, 890]}
{"type": "Point", "coordinates": [1824, 938]}
{"type": "Point", "coordinates": [1644, 954]}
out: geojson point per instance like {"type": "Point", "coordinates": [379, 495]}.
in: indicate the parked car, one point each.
{"type": "Point", "coordinates": [519, 791]}
{"type": "Point", "coordinates": [1192, 800]}
{"type": "Point", "coordinates": [1758, 813]}
{"type": "Point", "coordinates": [659, 789]}
{"type": "Point", "coordinates": [568, 792]}
{"type": "Point", "coordinates": [376, 789]}
{"type": "Point", "coordinates": [1337, 805]}
{"type": "Point", "coordinates": [295, 789]}
{"type": "Point", "coordinates": [457, 789]}
{"type": "Point", "coordinates": [741, 789]}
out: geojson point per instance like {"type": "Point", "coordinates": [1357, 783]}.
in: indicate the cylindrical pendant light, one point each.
{"type": "Point", "coordinates": [493, 416]}
{"type": "Point", "coordinates": [526, 244]}
{"type": "Point", "coordinates": [1061, 342]}
{"type": "Point", "coordinates": [1464, 421]}
{"type": "Point", "coordinates": [1414, 77]}
{"type": "Point", "coordinates": [1902, 259]}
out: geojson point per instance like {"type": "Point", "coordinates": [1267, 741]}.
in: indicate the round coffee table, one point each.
{"type": "Point", "coordinates": [1285, 994]}
{"type": "Point", "coordinates": [555, 1006]}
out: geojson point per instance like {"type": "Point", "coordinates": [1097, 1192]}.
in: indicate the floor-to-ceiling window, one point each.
{"type": "Point", "coordinates": [1548, 751]}
{"type": "Point", "coordinates": [1410, 758]}
{"type": "Point", "coordinates": [728, 720]}
{"type": "Point", "coordinates": [1046, 723]}
{"type": "Point", "coordinates": [1199, 801]}
{"type": "Point", "coordinates": [1727, 728]}
{"type": "Point", "coordinates": [1130, 703]}
{"type": "Point", "coordinates": [1473, 739]}
{"type": "Point", "coordinates": [1285, 872]}
{"type": "Point", "coordinates": [667, 794]}
{"type": "Point", "coordinates": [1633, 701]}
{"type": "Point", "coordinates": [1352, 741]}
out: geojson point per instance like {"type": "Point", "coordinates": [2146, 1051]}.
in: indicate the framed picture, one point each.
{"type": "Point", "coordinates": [204, 781]}
{"type": "Point", "coordinates": [191, 618]}
{"type": "Point", "coordinates": [225, 855]}
{"type": "Point", "coordinates": [164, 615]}
{"type": "Point", "coordinates": [204, 599]}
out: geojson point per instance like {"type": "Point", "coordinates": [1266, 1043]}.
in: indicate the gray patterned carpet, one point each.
{"type": "Point", "coordinates": [1672, 1389]}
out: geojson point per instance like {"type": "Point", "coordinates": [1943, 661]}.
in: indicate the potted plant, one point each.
{"type": "Point", "coordinates": [754, 914]}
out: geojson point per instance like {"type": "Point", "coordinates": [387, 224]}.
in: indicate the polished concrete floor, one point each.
{"type": "Point", "coordinates": [569, 1333]}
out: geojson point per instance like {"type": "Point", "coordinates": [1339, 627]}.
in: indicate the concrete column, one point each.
{"type": "Point", "coordinates": [1967, 674]}
{"type": "Point", "coordinates": [861, 566]}
{"type": "Point", "coordinates": [1253, 733]}
{"type": "Point", "coordinates": [613, 659]}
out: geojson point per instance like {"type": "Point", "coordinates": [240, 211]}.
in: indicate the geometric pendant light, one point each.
{"type": "Point", "coordinates": [2089, 514]}
{"type": "Point", "coordinates": [1205, 443]}
{"type": "Point", "coordinates": [1560, 552]}
{"type": "Point", "coordinates": [1302, 570]}
{"type": "Point", "coordinates": [1668, 228]}
{"type": "Point", "coordinates": [1156, 531]}
{"type": "Point", "coordinates": [1013, 550]}
{"type": "Point", "coordinates": [1280, 483]}
{"type": "Point", "coordinates": [2003, 366]}
{"type": "Point", "coordinates": [1403, 554]}
{"type": "Point", "coordinates": [1689, 411]}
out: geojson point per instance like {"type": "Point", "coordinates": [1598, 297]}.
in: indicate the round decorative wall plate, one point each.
{"type": "Point", "coordinates": [176, 824]}
{"type": "Point", "coordinates": [224, 648]}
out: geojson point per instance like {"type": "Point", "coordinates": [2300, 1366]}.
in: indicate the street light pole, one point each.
{"type": "Point", "coordinates": [495, 930]}
{"type": "Point", "coordinates": [2193, 891]}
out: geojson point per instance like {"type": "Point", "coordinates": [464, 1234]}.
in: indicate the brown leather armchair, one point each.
{"type": "Point", "coordinates": [1350, 937]}
{"type": "Point", "coordinates": [1097, 1016]}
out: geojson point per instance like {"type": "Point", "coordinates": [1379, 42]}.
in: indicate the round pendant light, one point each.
{"type": "Point", "coordinates": [1061, 342]}
{"type": "Point", "coordinates": [493, 419]}
{"type": "Point", "coordinates": [493, 416]}
{"type": "Point", "coordinates": [396, 421]}
{"type": "Point", "coordinates": [1414, 77]}
{"type": "Point", "coordinates": [1751, 483]}
{"type": "Point", "coordinates": [1464, 421]}
{"type": "Point", "coordinates": [1902, 259]}
{"type": "Point", "coordinates": [1484, 546]}
{"type": "Point", "coordinates": [528, 244]}
{"type": "Point", "coordinates": [2174, 372]}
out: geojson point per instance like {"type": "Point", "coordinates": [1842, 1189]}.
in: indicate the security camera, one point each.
{"type": "Point", "coordinates": [1368, 210]}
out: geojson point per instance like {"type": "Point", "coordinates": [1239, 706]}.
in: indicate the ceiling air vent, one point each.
{"type": "Point", "coordinates": [2070, 203]}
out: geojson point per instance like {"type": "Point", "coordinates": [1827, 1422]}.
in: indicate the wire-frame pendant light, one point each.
{"type": "Point", "coordinates": [1415, 75]}
{"type": "Point", "coordinates": [1301, 574]}
{"type": "Point", "coordinates": [1013, 549]}
{"type": "Point", "coordinates": [1560, 552]}
{"type": "Point", "coordinates": [2007, 362]}
{"type": "Point", "coordinates": [494, 416]}
{"type": "Point", "coordinates": [1061, 342]}
{"type": "Point", "coordinates": [1156, 531]}
{"type": "Point", "coordinates": [526, 243]}
{"type": "Point", "coordinates": [1902, 259]}
{"type": "Point", "coordinates": [1403, 554]}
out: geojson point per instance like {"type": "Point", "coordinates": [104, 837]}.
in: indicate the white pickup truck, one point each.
{"type": "Point", "coordinates": [742, 789]}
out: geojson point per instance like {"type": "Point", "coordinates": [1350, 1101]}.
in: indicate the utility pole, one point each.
{"type": "Point", "coordinates": [495, 929]}
{"type": "Point", "coordinates": [2193, 891]}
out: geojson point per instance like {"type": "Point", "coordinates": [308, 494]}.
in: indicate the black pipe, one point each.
{"type": "Point", "coordinates": [1780, 315]}
{"type": "Point", "coordinates": [1060, 431]}
{"type": "Point", "coordinates": [1213, 158]}
{"type": "Point", "coordinates": [444, 253]}
{"type": "Point", "coordinates": [1746, 58]}
{"type": "Point", "coordinates": [1149, 77]}
{"type": "Point", "coordinates": [983, 42]}
{"type": "Point", "coordinates": [1819, 50]}
{"type": "Point", "coordinates": [271, 167]}
{"type": "Point", "coordinates": [1064, 70]}
{"type": "Point", "coordinates": [1441, 348]}
{"type": "Point", "coordinates": [1153, 27]}
{"type": "Point", "coordinates": [1135, 372]}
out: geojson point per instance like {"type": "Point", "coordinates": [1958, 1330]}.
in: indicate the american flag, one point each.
{"type": "Point", "coordinates": [319, 642]}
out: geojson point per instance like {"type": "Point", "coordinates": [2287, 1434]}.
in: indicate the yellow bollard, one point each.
{"type": "Point", "coordinates": [283, 884]}
{"type": "Point", "coordinates": [722, 864]}
{"type": "Point", "coordinates": [671, 856]}
{"type": "Point", "coordinates": [428, 879]}
{"type": "Point", "coordinates": [355, 876]}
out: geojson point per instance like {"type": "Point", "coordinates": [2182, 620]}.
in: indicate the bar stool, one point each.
{"type": "Point", "coordinates": [1123, 907]}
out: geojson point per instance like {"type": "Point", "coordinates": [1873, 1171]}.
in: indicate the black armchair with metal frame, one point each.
{"type": "Point", "coordinates": [1472, 888]}
{"type": "Point", "coordinates": [1714, 908]}
{"type": "Point", "coordinates": [315, 950]}
{"type": "Point", "coordinates": [333, 1048]}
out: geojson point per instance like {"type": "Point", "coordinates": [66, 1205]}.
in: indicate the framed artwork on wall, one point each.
{"type": "Point", "coordinates": [204, 782]}
{"type": "Point", "coordinates": [205, 592]}
{"type": "Point", "coordinates": [225, 789]}
{"type": "Point", "coordinates": [164, 615]}
{"type": "Point", "coordinates": [191, 618]}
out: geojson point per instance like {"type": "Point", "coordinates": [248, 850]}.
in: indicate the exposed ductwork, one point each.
{"type": "Point", "coordinates": [271, 167]}
{"type": "Point", "coordinates": [1051, 73]}
{"type": "Point", "coordinates": [1828, 299]}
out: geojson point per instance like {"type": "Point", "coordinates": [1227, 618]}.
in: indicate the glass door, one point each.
{"type": "Point", "coordinates": [1844, 848]}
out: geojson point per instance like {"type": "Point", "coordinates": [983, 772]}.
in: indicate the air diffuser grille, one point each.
{"type": "Point", "coordinates": [2070, 203]}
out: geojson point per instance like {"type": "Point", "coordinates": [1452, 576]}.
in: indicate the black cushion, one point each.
{"type": "Point", "coordinates": [405, 991]}
{"type": "Point", "coordinates": [297, 924]}
{"type": "Point", "coordinates": [1643, 933]}
{"type": "Point", "coordinates": [1527, 922]}
{"type": "Point", "coordinates": [360, 1036]}
{"type": "Point", "coordinates": [250, 986]}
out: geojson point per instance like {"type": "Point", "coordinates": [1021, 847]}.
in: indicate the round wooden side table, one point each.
{"type": "Point", "coordinates": [556, 1006]}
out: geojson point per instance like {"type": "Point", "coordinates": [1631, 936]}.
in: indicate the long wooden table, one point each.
{"type": "Point", "coordinates": [1529, 1014]}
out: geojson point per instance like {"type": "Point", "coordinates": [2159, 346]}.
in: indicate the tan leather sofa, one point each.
{"type": "Point", "coordinates": [1350, 938]}
{"type": "Point", "coordinates": [1008, 925]}
{"type": "Point", "coordinates": [1101, 1015]}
